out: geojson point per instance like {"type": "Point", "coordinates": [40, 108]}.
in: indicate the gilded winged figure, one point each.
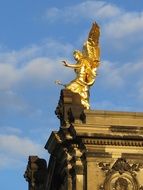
{"type": "Point", "coordinates": [87, 62]}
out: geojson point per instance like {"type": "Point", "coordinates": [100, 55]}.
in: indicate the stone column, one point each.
{"type": "Point", "coordinates": [77, 170]}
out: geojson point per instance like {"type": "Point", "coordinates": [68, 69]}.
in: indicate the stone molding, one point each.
{"type": "Point", "coordinates": [112, 142]}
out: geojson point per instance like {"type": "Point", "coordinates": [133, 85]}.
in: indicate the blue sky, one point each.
{"type": "Point", "coordinates": [35, 36]}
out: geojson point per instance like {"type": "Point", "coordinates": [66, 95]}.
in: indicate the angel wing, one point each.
{"type": "Point", "coordinates": [91, 48]}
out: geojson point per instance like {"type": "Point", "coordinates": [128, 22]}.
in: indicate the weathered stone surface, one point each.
{"type": "Point", "coordinates": [95, 150]}
{"type": "Point", "coordinates": [69, 108]}
{"type": "Point", "coordinates": [98, 150]}
{"type": "Point", "coordinates": [36, 173]}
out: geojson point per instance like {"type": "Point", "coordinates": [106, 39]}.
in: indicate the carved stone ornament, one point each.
{"type": "Point", "coordinates": [122, 176]}
{"type": "Point", "coordinates": [36, 173]}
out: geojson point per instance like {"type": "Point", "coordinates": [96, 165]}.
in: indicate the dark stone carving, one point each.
{"type": "Point", "coordinates": [36, 173]}
{"type": "Point", "coordinates": [104, 166]}
{"type": "Point", "coordinates": [121, 176]}
{"type": "Point", "coordinates": [121, 184]}
{"type": "Point", "coordinates": [121, 165]}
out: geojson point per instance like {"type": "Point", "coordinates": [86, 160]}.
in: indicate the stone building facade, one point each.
{"type": "Point", "coordinates": [92, 150]}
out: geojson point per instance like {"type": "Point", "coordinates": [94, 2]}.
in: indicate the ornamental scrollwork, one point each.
{"type": "Point", "coordinates": [121, 176]}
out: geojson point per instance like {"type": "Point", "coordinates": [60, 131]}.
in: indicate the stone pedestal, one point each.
{"type": "Point", "coordinates": [95, 150]}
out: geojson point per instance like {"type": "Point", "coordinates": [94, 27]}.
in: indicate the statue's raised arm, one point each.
{"type": "Point", "coordinates": [86, 65]}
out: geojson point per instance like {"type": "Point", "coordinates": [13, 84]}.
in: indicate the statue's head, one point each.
{"type": "Point", "coordinates": [77, 55]}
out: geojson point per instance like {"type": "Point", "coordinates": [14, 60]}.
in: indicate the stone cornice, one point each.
{"type": "Point", "coordinates": [111, 142]}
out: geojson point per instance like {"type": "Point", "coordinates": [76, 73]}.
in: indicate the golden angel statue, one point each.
{"type": "Point", "coordinates": [86, 65]}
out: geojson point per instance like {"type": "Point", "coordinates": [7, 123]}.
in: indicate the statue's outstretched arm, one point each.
{"type": "Point", "coordinates": [74, 66]}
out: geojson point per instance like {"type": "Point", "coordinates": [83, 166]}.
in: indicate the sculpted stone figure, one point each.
{"type": "Point", "coordinates": [85, 67]}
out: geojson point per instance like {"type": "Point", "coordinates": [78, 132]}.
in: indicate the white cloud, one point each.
{"type": "Point", "coordinates": [119, 27]}
{"type": "Point", "coordinates": [108, 105]}
{"type": "Point", "coordinates": [9, 130]}
{"type": "Point", "coordinates": [111, 73]}
{"type": "Point", "coordinates": [120, 86]}
{"type": "Point", "coordinates": [9, 162]}
{"type": "Point", "coordinates": [8, 76]}
{"type": "Point", "coordinates": [35, 67]}
{"type": "Point", "coordinates": [36, 63]}
{"type": "Point", "coordinates": [11, 102]}
{"type": "Point", "coordinates": [126, 77]}
{"type": "Point", "coordinates": [86, 10]}
{"type": "Point", "coordinates": [41, 69]}
{"type": "Point", "coordinates": [15, 149]}
{"type": "Point", "coordinates": [19, 146]}
{"type": "Point", "coordinates": [126, 25]}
